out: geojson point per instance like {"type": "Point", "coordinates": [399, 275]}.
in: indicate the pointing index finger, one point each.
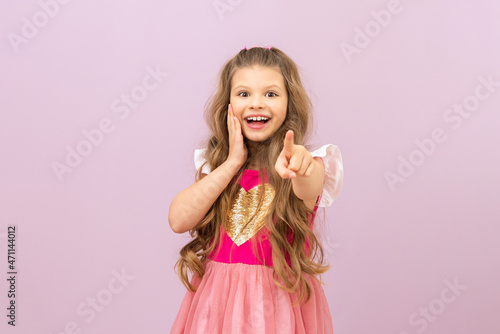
{"type": "Point", "coordinates": [288, 142]}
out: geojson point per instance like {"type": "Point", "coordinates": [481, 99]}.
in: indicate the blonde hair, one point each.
{"type": "Point", "coordinates": [290, 214]}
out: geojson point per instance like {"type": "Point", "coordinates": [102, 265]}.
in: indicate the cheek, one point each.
{"type": "Point", "coordinates": [280, 110]}
{"type": "Point", "coordinates": [282, 116]}
{"type": "Point", "coordinates": [238, 111]}
{"type": "Point", "coordinates": [281, 120]}
{"type": "Point", "coordinates": [238, 115]}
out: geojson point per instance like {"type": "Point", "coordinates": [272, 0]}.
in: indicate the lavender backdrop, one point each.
{"type": "Point", "coordinates": [101, 110]}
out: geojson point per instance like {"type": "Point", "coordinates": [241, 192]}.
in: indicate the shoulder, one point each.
{"type": "Point", "coordinates": [200, 159]}
{"type": "Point", "coordinates": [334, 173]}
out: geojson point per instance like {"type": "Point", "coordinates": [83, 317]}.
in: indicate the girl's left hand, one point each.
{"type": "Point", "coordinates": [294, 159]}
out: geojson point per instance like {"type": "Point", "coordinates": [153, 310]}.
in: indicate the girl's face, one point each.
{"type": "Point", "coordinates": [259, 91]}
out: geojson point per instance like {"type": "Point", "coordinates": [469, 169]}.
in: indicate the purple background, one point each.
{"type": "Point", "coordinates": [394, 251]}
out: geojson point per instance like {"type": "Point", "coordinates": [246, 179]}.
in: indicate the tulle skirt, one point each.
{"type": "Point", "coordinates": [241, 298]}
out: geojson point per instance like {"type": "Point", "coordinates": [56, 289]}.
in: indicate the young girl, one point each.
{"type": "Point", "coordinates": [251, 210]}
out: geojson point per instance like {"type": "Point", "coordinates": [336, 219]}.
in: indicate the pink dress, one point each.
{"type": "Point", "coordinates": [237, 293]}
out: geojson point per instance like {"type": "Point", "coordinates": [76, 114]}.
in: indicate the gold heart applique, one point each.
{"type": "Point", "coordinates": [243, 208]}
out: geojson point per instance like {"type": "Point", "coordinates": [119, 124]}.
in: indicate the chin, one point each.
{"type": "Point", "coordinates": [257, 139]}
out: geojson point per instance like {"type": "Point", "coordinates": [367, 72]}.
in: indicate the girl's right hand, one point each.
{"type": "Point", "coordinates": [237, 149]}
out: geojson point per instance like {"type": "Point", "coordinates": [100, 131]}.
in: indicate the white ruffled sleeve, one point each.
{"type": "Point", "coordinates": [334, 173]}
{"type": "Point", "coordinates": [199, 159]}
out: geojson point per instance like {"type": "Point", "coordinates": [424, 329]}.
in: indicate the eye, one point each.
{"type": "Point", "coordinates": [239, 94]}
{"type": "Point", "coordinates": [272, 93]}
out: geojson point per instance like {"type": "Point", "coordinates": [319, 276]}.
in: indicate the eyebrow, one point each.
{"type": "Point", "coordinates": [245, 87]}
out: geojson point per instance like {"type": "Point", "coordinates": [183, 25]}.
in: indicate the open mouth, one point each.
{"type": "Point", "coordinates": [257, 120]}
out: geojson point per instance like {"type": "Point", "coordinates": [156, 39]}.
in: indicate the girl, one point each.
{"type": "Point", "coordinates": [252, 207]}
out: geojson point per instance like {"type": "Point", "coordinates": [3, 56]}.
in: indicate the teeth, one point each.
{"type": "Point", "coordinates": [258, 118]}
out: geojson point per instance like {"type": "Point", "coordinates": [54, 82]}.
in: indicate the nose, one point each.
{"type": "Point", "coordinates": [256, 102]}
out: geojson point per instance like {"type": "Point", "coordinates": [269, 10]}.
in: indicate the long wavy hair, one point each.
{"type": "Point", "coordinates": [288, 213]}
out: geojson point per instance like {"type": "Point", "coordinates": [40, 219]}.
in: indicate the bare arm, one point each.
{"type": "Point", "coordinates": [192, 204]}
{"type": "Point", "coordinates": [309, 187]}
{"type": "Point", "coordinates": [307, 173]}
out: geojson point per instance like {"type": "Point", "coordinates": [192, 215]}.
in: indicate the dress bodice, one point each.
{"type": "Point", "coordinates": [235, 242]}
{"type": "Point", "coordinates": [238, 231]}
